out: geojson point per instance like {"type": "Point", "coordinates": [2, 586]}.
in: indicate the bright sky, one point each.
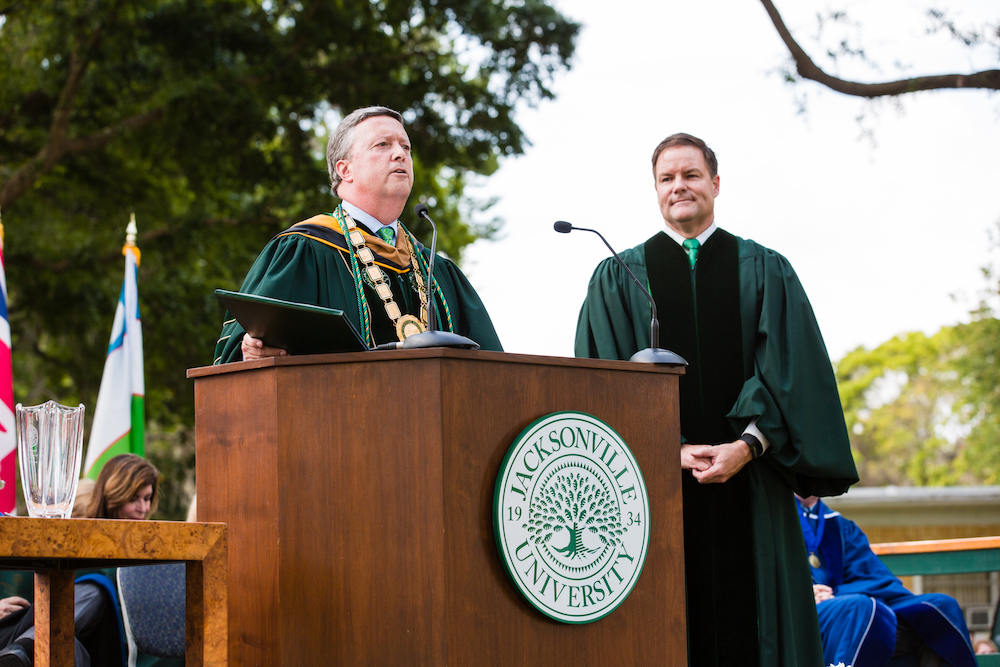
{"type": "Point", "coordinates": [881, 236]}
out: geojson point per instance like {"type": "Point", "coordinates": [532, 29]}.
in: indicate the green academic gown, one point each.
{"type": "Point", "coordinates": [760, 336]}
{"type": "Point", "coordinates": [308, 263]}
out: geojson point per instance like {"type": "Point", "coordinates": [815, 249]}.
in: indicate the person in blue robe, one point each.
{"type": "Point", "coordinates": [866, 617]}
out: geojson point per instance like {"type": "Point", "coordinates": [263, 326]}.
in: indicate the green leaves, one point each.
{"type": "Point", "coordinates": [920, 409]}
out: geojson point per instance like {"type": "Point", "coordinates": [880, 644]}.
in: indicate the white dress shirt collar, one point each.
{"type": "Point", "coordinates": [679, 240]}
{"type": "Point", "coordinates": [369, 221]}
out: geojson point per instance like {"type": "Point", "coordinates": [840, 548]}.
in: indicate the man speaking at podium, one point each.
{"type": "Point", "coordinates": [360, 259]}
{"type": "Point", "coordinates": [759, 411]}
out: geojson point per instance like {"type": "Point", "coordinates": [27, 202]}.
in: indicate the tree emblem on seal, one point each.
{"type": "Point", "coordinates": [571, 517]}
{"type": "Point", "coordinates": [577, 504]}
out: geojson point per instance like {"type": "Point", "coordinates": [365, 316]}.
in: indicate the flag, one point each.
{"type": "Point", "coordinates": [119, 419]}
{"type": "Point", "coordinates": [8, 449]}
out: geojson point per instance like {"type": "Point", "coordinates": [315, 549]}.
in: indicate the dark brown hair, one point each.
{"type": "Point", "coordinates": [119, 482]}
{"type": "Point", "coordinates": [681, 139]}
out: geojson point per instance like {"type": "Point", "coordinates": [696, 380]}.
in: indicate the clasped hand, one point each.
{"type": "Point", "coordinates": [822, 592]}
{"type": "Point", "coordinates": [715, 464]}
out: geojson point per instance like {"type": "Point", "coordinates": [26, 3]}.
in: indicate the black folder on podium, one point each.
{"type": "Point", "coordinates": [299, 328]}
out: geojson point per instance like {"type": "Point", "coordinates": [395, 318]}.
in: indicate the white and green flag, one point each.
{"type": "Point", "coordinates": [119, 418]}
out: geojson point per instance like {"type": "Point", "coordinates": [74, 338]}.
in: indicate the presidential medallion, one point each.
{"type": "Point", "coordinates": [407, 325]}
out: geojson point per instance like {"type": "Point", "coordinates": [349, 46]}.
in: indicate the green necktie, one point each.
{"type": "Point", "coordinates": [692, 245]}
{"type": "Point", "coordinates": [387, 234]}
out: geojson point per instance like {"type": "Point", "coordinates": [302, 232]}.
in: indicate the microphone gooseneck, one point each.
{"type": "Point", "coordinates": [432, 337]}
{"type": "Point", "coordinates": [421, 211]}
{"type": "Point", "coordinates": [654, 353]}
{"type": "Point", "coordinates": [564, 227]}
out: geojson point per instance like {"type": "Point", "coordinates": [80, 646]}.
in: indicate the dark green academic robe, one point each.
{"type": "Point", "coordinates": [308, 264]}
{"type": "Point", "coordinates": [744, 324]}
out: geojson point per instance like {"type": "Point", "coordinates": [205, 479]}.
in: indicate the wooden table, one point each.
{"type": "Point", "coordinates": [55, 548]}
{"type": "Point", "coordinates": [969, 554]}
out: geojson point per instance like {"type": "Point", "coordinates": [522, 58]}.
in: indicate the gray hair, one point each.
{"type": "Point", "coordinates": [342, 140]}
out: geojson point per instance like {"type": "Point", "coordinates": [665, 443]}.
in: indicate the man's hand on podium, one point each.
{"type": "Point", "coordinates": [254, 348]}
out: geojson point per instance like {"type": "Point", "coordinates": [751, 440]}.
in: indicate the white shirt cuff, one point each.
{"type": "Point", "coordinates": [755, 432]}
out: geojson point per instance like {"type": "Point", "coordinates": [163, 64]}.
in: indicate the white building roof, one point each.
{"type": "Point", "coordinates": [904, 505]}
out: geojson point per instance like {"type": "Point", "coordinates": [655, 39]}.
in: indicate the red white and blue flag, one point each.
{"type": "Point", "coordinates": [8, 449]}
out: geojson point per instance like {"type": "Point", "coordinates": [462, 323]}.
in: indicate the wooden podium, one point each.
{"type": "Point", "coordinates": [358, 489]}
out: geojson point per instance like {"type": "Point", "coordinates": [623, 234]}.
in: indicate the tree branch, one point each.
{"type": "Point", "coordinates": [100, 139]}
{"type": "Point", "coordinates": [9, 8]}
{"type": "Point", "coordinates": [54, 150]}
{"type": "Point", "coordinates": [49, 156]}
{"type": "Point", "coordinates": [77, 68]}
{"type": "Point", "coordinates": [807, 69]}
{"type": "Point", "coordinates": [58, 145]}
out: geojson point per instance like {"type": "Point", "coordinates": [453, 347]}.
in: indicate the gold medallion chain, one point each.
{"type": "Point", "coordinates": [406, 325]}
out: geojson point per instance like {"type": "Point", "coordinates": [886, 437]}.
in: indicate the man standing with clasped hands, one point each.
{"type": "Point", "coordinates": [360, 258]}
{"type": "Point", "coordinates": [760, 413]}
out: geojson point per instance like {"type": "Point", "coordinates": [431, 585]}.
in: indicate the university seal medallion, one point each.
{"type": "Point", "coordinates": [571, 517]}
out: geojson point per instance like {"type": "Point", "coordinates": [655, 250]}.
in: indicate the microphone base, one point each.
{"type": "Point", "coordinates": [438, 339]}
{"type": "Point", "coordinates": [654, 355]}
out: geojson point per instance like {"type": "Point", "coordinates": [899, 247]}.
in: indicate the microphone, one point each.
{"type": "Point", "coordinates": [654, 354]}
{"type": "Point", "coordinates": [432, 337]}
{"type": "Point", "coordinates": [564, 227]}
{"type": "Point", "coordinates": [421, 211]}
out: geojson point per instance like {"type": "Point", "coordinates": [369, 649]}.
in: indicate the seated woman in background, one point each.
{"type": "Point", "coordinates": [126, 488]}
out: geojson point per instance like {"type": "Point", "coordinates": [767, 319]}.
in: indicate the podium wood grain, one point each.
{"type": "Point", "coordinates": [358, 490]}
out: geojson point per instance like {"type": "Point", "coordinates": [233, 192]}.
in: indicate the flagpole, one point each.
{"type": "Point", "coordinates": [137, 435]}
{"type": "Point", "coordinates": [119, 418]}
{"type": "Point", "coordinates": [130, 233]}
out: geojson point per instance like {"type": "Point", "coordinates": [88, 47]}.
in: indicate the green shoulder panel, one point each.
{"type": "Point", "coordinates": [614, 319]}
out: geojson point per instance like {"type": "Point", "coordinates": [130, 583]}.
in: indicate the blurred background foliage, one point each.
{"type": "Point", "coordinates": [209, 120]}
{"type": "Point", "coordinates": [925, 410]}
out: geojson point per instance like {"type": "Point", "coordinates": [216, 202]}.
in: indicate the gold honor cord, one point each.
{"type": "Point", "coordinates": [406, 325]}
